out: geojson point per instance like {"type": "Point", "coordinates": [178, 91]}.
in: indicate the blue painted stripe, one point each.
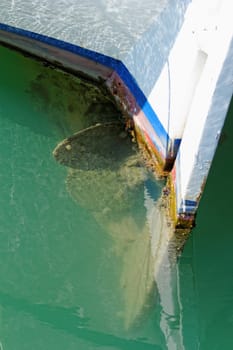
{"type": "Point", "coordinates": [190, 203]}
{"type": "Point", "coordinates": [142, 101]}
{"type": "Point", "coordinates": [95, 56]}
{"type": "Point", "coordinates": [188, 207]}
{"type": "Point", "coordinates": [115, 64]}
{"type": "Point", "coordinates": [155, 123]}
{"type": "Point", "coordinates": [184, 206]}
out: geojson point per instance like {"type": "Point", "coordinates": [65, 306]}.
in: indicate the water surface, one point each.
{"type": "Point", "coordinates": [65, 270]}
{"type": "Point", "coordinates": [206, 267]}
{"type": "Point", "coordinates": [69, 273]}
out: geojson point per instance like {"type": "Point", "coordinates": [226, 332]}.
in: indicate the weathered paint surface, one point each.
{"type": "Point", "coordinates": [204, 121]}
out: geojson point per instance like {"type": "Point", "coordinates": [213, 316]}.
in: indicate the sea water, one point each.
{"type": "Point", "coordinates": [66, 271]}
{"type": "Point", "coordinates": [72, 279]}
{"type": "Point", "coordinates": [206, 265]}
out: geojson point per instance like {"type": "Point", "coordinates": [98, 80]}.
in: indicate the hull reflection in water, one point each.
{"type": "Point", "coordinates": [164, 251]}
{"type": "Point", "coordinates": [107, 177]}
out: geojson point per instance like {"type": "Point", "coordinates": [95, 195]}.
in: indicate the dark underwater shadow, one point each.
{"type": "Point", "coordinates": [48, 100]}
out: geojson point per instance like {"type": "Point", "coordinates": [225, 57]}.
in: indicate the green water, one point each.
{"type": "Point", "coordinates": [208, 258]}
{"type": "Point", "coordinates": [64, 273]}
{"type": "Point", "coordinates": [70, 279]}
